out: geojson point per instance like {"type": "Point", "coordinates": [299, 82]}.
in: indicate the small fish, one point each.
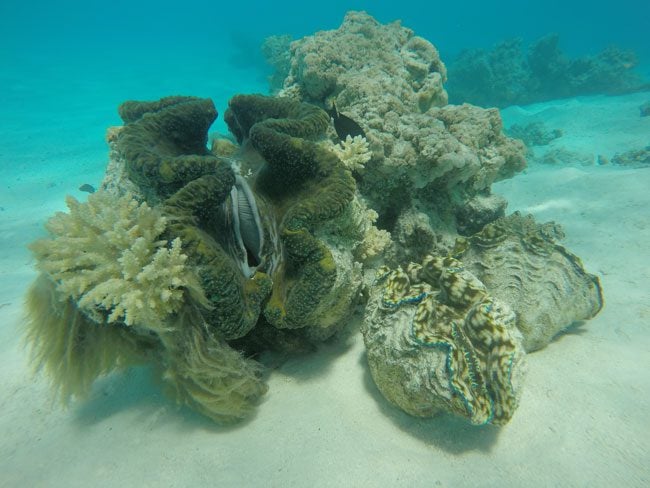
{"type": "Point", "coordinates": [87, 188]}
{"type": "Point", "coordinates": [344, 125]}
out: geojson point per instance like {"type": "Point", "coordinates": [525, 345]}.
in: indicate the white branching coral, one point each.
{"type": "Point", "coordinates": [375, 241]}
{"type": "Point", "coordinates": [159, 282]}
{"type": "Point", "coordinates": [354, 152]}
{"type": "Point", "coordinates": [355, 228]}
{"type": "Point", "coordinates": [107, 255]}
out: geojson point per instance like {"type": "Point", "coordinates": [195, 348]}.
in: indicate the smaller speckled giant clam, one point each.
{"type": "Point", "coordinates": [438, 342]}
{"type": "Point", "coordinates": [522, 263]}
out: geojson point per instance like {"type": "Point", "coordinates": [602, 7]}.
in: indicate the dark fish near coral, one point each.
{"type": "Point", "coordinates": [87, 188]}
{"type": "Point", "coordinates": [344, 125]}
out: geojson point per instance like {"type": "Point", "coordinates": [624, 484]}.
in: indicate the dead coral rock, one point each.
{"type": "Point", "coordinates": [353, 59]}
{"type": "Point", "coordinates": [390, 81]}
{"type": "Point", "coordinates": [478, 212]}
{"type": "Point", "coordinates": [638, 158]}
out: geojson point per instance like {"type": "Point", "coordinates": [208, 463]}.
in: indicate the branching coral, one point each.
{"type": "Point", "coordinates": [355, 229]}
{"type": "Point", "coordinates": [113, 292]}
{"type": "Point", "coordinates": [107, 256]}
{"type": "Point", "coordinates": [354, 152]}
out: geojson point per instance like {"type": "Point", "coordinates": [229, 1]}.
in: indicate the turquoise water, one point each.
{"type": "Point", "coordinates": [82, 58]}
{"type": "Point", "coordinates": [64, 69]}
{"type": "Point", "coordinates": [79, 59]}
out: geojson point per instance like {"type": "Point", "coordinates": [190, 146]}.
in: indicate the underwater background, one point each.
{"type": "Point", "coordinates": [83, 58]}
{"type": "Point", "coordinates": [584, 420]}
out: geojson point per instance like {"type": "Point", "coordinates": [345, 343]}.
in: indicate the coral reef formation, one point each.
{"type": "Point", "coordinates": [521, 263]}
{"type": "Point", "coordinates": [426, 155]}
{"type": "Point", "coordinates": [438, 342]}
{"type": "Point", "coordinates": [534, 133]}
{"type": "Point", "coordinates": [506, 75]}
{"type": "Point", "coordinates": [198, 260]}
{"type": "Point", "coordinates": [636, 158]}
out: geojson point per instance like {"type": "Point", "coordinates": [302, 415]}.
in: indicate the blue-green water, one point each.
{"type": "Point", "coordinates": [66, 66]}
{"type": "Point", "coordinates": [61, 58]}
{"type": "Point", "coordinates": [80, 59]}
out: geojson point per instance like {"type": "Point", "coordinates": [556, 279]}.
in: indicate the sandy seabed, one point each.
{"type": "Point", "coordinates": [584, 417]}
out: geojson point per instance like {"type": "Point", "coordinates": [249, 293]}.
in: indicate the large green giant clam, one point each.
{"type": "Point", "coordinates": [184, 257]}
{"type": "Point", "coordinates": [249, 219]}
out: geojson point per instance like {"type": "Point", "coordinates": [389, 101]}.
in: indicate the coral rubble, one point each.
{"type": "Point", "coordinates": [534, 133]}
{"type": "Point", "coordinates": [636, 158]}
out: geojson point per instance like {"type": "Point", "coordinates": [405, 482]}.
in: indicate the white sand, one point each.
{"type": "Point", "coordinates": [584, 419]}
